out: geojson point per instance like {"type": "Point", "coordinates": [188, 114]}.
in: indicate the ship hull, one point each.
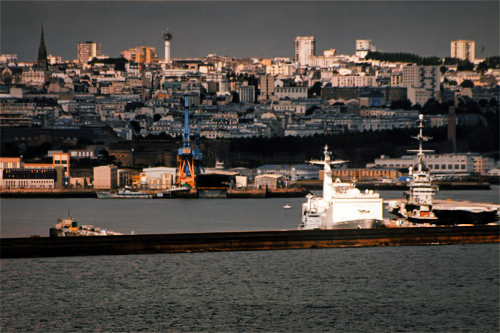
{"type": "Point", "coordinates": [454, 217]}
{"type": "Point", "coordinates": [107, 195]}
{"type": "Point", "coordinates": [358, 224]}
{"type": "Point", "coordinates": [447, 214]}
{"type": "Point", "coordinates": [353, 224]}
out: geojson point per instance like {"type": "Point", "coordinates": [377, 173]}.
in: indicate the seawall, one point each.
{"type": "Point", "coordinates": [243, 241]}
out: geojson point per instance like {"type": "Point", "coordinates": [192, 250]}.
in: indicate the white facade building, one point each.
{"type": "Point", "coordinates": [353, 81]}
{"type": "Point", "coordinates": [438, 163]}
{"type": "Point", "coordinates": [363, 46]}
{"type": "Point", "coordinates": [305, 49]}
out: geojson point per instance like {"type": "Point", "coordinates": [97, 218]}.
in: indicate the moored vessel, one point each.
{"type": "Point", "coordinates": [419, 205]}
{"type": "Point", "coordinates": [342, 206]}
{"type": "Point", "coordinates": [123, 194]}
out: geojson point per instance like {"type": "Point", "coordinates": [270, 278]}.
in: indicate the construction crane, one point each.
{"type": "Point", "coordinates": [198, 156]}
{"type": "Point", "coordinates": [186, 173]}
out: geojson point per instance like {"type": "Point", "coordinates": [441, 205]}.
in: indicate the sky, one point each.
{"type": "Point", "coordinates": [243, 29]}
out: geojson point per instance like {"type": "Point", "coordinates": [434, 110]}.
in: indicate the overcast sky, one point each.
{"type": "Point", "coordinates": [247, 29]}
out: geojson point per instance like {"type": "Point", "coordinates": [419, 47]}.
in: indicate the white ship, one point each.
{"type": "Point", "coordinates": [342, 206]}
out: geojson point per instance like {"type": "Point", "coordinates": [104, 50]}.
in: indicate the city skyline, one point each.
{"type": "Point", "coordinates": [244, 29]}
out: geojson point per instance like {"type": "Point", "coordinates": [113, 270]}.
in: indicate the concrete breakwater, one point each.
{"type": "Point", "coordinates": [243, 241]}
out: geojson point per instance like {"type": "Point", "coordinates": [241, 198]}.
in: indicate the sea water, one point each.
{"type": "Point", "coordinates": [440, 288]}
{"type": "Point", "coordinates": [453, 288]}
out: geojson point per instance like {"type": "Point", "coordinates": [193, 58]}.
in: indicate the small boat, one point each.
{"type": "Point", "coordinates": [124, 194]}
{"type": "Point", "coordinates": [68, 227]}
{"type": "Point", "coordinates": [287, 206]}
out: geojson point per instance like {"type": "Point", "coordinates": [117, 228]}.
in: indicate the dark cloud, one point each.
{"type": "Point", "coordinates": [247, 29]}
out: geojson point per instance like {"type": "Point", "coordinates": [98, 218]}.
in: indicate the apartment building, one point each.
{"type": "Point", "coordinates": [422, 82]}
{"type": "Point", "coordinates": [87, 51]}
{"type": "Point", "coordinates": [305, 49]}
{"type": "Point", "coordinates": [141, 54]}
{"type": "Point", "coordinates": [353, 81]}
{"type": "Point", "coordinates": [463, 49]}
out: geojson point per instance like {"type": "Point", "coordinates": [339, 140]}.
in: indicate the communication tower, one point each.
{"type": "Point", "coordinates": [167, 36]}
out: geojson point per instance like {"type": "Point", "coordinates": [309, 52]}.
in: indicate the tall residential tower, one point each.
{"type": "Point", "coordinates": [463, 49]}
{"type": "Point", "coordinates": [87, 51]}
{"type": "Point", "coordinates": [305, 49]}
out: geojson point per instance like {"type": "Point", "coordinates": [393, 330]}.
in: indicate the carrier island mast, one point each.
{"type": "Point", "coordinates": [186, 174]}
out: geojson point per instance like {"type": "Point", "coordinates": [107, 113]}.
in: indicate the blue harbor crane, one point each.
{"type": "Point", "coordinates": [186, 156]}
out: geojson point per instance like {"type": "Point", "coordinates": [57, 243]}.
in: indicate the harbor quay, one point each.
{"type": "Point", "coordinates": [31, 247]}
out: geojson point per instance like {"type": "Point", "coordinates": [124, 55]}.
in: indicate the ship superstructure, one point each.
{"type": "Point", "coordinates": [342, 206]}
{"type": "Point", "coordinates": [419, 201]}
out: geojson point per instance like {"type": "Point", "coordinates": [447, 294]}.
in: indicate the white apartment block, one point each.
{"type": "Point", "coordinates": [363, 46]}
{"type": "Point", "coordinates": [463, 49]}
{"type": "Point", "coordinates": [87, 51]}
{"type": "Point", "coordinates": [305, 48]}
{"type": "Point", "coordinates": [353, 81]}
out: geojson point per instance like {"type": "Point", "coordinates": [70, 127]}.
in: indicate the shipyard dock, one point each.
{"type": "Point", "coordinates": [244, 241]}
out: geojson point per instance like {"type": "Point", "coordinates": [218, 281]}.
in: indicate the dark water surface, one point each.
{"type": "Point", "coordinates": [452, 288]}
{"type": "Point", "coordinates": [25, 217]}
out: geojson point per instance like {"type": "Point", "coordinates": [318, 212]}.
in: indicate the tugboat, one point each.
{"type": "Point", "coordinates": [420, 207]}
{"type": "Point", "coordinates": [68, 227]}
{"type": "Point", "coordinates": [342, 206]}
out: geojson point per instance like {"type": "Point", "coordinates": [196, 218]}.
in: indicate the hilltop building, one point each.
{"type": "Point", "coordinates": [141, 54]}
{"type": "Point", "coordinates": [463, 49]}
{"type": "Point", "coordinates": [305, 49]}
{"type": "Point", "coordinates": [363, 46]}
{"type": "Point", "coordinates": [87, 51]}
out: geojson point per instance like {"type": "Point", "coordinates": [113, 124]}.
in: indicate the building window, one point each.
{"type": "Point", "coordinates": [443, 166]}
{"type": "Point", "coordinates": [436, 166]}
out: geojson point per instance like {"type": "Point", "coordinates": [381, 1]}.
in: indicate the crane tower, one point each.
{"type": "Point", "coordinates": [186, 156]}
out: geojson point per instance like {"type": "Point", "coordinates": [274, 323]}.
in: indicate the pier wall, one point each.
{"type": "Point", "coordinates": [243, 241]}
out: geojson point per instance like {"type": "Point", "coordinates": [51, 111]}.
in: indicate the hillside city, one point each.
{"type": "Point", "coordinates": [129, 111]}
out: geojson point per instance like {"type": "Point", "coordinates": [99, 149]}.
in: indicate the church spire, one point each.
{"type": "Point", "coordinates": [42, 54]}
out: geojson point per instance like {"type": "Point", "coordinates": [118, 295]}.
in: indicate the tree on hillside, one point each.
{"type": "Point", "coordinates": [467, 84]}
{"type": "Point", "coordinates": [315, 90]}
